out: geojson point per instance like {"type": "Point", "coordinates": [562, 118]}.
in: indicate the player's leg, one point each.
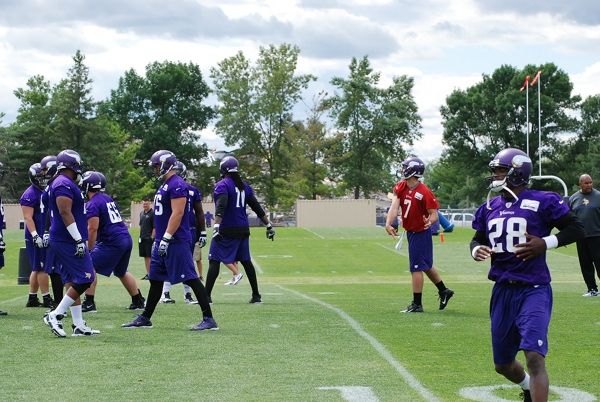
{"type": "Point", "coordinates": [539, 384]}
{"type": "Point", "coordinates": [444, 294]}
{"type": "Point", "coordinates": [212, 275]}
{"type": "Point", "coordinates": [587, 266]}
{"type": "Point", "coordinates": [253, 280]}
{"type": "Point", "coordinates": [89, 303]}
{"type": "Point", "coordinates": [594, 247]}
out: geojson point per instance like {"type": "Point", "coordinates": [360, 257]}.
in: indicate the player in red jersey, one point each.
{"type": "Point", "coordinates": [419, 211]}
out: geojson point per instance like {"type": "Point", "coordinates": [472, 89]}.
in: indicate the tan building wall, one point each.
{"type": "Point", "coordinates": [136, 208]}
{"type": "Point", "coordinates": [335, 213]}
{"type": "Point", "coordinates": [13, 214]}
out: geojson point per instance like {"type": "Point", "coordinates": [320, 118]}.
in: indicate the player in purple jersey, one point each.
{"type": "Point", "coordinates": [2, 243]}
{"type": "Point", "coordinates": [68, 235]}
{"type": "Point", "coordinates": [514, 229]}
{"type": "Point", "coordinates": [109, 241]}
{"type": "Point", "coordinates": [34, 204]}
{"type": "Point", "coordinates": [231, 231]}
{"type": "Point", "coordinates": [197, 232]}
{"type": "Point", "coordinates": [171, 255]}
{"type": "Point", "coordinates": [48, 165]}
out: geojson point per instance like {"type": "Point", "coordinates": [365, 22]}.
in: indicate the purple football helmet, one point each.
{"type": "Point", "coordinates": [517, 163]}
{"type": "Point", "coordinates": [48, 164]}
{"type": "Point", "coordinates": [228, 164]}
{"type": "Point", "coordinates": [93, 181]}
{"type": "Point", "coordinates": [413, 166]}
{"type": "Point", "coordinates": [163, 160]}
{"type": "Point", "coordinates": [36, 175]}
{"type": "Point", "coordinates": [69, 159]}
{"type": "Point", "coordinates": [181, 169]}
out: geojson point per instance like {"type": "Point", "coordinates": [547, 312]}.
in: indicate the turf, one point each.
{"type": "Point", "coordinates": [331, 317]}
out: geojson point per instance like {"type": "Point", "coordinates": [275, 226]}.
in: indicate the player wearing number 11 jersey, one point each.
{"type": "Point", "coordinates": [514, 229]}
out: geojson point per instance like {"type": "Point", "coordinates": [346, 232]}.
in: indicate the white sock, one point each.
{"type": "Point", "coordinates": [166, 287]}
{"type": "Point", "coordinates": [525, 383]}
{"type": "Point", "coordinates": [186, 289]}
{"type": "Point", "coordinates": [77, 315]}
{"type": "Point", "coordinates": [64, 304]}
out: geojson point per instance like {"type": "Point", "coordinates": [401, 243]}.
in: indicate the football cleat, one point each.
{"type": "Point", "coordinates": [88, 307]}
{"type": "Point", "coordinates": [413, 308]}
{"type": "Point", "coordinates": [189, 299]}
{"type": "Point", "coordinates": [591, 293]}
{"type": "Point", "coordinates": [208, 323]}
{"type": "Point", "coordinates": [445, 296]}
{"type": "Point", "coordinates": [33, 303]}
{"type": "Point", "coordinates": [48, 302]}
{"type": "Point", "coordinates": [255, 299]}
{"type": "Point", "coordinates": [167, 298]}
{"type": "Point", "coordinates": [138, 306]}
{"type": "Point", "coordinates": [54, 321]}
{"type": "Point", "coordinates": [83, 330]}
{"type": "Point", "coordinates": [139, 322]}
{"type": "Point", "coordinates": [3, 312]}
{"type": "Point", "coordinates": [237, 278]}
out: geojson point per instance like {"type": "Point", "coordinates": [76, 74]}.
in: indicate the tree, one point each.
{"type": "Point", "coordinates": [375, 123]}
{"type": "Point", "coordinates": [163, 110]}
{"type": "Point", "coordinates": [255, 108]}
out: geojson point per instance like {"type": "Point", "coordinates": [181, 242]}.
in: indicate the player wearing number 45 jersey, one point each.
{"type": "Point", "coordinates": [109, 241]}
{"type": "Point", "coordinates": [514, 229]}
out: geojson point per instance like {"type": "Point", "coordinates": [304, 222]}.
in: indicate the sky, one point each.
{"type": "Point", "coordinates": [444, 45]}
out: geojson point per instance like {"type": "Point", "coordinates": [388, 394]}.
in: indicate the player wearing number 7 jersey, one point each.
{"type": "Point", "coordinates": [514, 229]}
{"type": "Point", "coordinates": [418, 212]}
{"type": "Point", "coordinates": [109, 241]}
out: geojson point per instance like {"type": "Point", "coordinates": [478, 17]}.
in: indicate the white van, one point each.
{"type": "Point", "coordinates": [461, 219]}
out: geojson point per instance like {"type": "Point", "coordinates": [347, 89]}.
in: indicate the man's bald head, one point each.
{"type": "Point", "coordinates": [585, 183]}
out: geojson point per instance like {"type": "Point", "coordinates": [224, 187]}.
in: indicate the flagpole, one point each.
{"type": "Point", "coordinates": [539, 123]}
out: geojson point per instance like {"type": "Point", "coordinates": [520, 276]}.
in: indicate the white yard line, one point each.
{"type": "Point", "coordinates": [393, 250]}
{"type": "Point", "coordinates": [258, 267]}
{"type": "Point", "coordinates": [315, 233]}
{"type": "Point", "coordinates": [13, 299]}
{"type": "Point", "coordinates": [378, 346]}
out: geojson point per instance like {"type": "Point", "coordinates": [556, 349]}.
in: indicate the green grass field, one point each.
{"type": "Point", "coordinates": [330, 329]}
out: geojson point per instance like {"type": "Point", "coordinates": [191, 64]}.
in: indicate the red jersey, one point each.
{"type": "Point", "coordinates": [414, 204]}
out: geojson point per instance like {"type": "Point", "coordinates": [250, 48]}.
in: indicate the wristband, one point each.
{"type": "Point", "coordinates": [167, 236]}
{"type": "Point", "coordinates": [216, 225]}
{"type": "Point", "coordinates": [269, 225]}
{"type": "Point", "coordinates": [474, 251]}
{"type": "Point", "coordinates": [551, 241]}
{"type": "Point", "coordinates": [74, 232]}
{"type": "Point", "coordinates": [34, 233]}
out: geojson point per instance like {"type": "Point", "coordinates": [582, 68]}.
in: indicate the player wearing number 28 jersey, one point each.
{"type": "Point", "coordinates": [514, 229]}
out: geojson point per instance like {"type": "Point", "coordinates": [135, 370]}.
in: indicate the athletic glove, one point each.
{"type": "Point", "coordinates": [202, 239]}
{"type": "Point", "coordinates": [37, 241]}
{"type": "Point", "coordinates": [162, 246]}
{"type": "Point", "coordinates": [216, 235]}
{"type": "Point", "coordinates": [270, 232]}
{"type": "Point", "coordinates": [2, 246]}
{"type": "Point", "coordinates": [46, 239]}
{"type": "Point", "coordinates": [80, 248]}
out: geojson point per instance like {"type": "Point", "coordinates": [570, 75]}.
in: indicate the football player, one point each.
{"type": "Point", "coordinates": [2, 243]}
{"type": "Point", "coordinates": [68, 235]}
{"type": "Point", "coordinates": [171, 255]}
{"type": "Point", "coordinates": [419, 212]}
{"type": "Point", "coordinates": [34, 204]}
{"type": "Point", "coordinates": [109, 241]}
{"type": "Point", "coordinates": [231, 231]}
{"type": "Point", "coordinates": [514, 231]}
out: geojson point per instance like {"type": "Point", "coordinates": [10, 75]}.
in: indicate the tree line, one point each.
{"type": "Point", "coordinates": [348, 143]}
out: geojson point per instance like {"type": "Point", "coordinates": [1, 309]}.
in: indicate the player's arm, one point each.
{"type": "Point", "coordinates": [220, 206]}
{"type": "Point", "coordinates": [200, 220]}
{"type": "Point", "coordinates": [177, 209]}
{"type": "Point", "coordinates": [570, 230]}
{"type": "Point", "coordinates": [431, 218]}
{"type": "Point", "coordinates": [479, 247]}
{"type": "Point", "coordinates": [93, 224]}
{"type": "Point", "coordinates": [258, 209]}
{"type": "Point", "coordinates": [28, 218]}
{"type": "Point", "coordinates": [392, 216]}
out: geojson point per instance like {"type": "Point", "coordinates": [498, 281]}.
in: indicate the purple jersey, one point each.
{"type": "Point", "coordinates": [235, 212]}
{"type": "Point", "coordinates": [194, 196]}
{"type": "Point", "coordinates": [110, 224]}
{"type": "Point", "coordinates": [174, 187]}
{"type": "Point", "coordinates": [62, 186]}
{"type": "Point", "coordinates": [38, 200]}
{"type": "Point", "coordinates": [1, 217]}
{"type": "Point", "coordinates": [505, 225]}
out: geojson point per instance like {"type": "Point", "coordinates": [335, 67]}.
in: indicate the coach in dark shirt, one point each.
{"type": "Point", "coordinates": [146, 232]}
{"type": "Point", "coordinates": [586, 205]}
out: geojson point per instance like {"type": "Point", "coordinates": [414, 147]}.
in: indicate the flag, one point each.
{"type": "Point", "coordinates": [536, 78]}
{"type": "Point", "coordinates": [525, 83]}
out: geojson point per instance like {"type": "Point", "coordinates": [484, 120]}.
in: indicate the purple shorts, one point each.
{"type": "Point", "coordinates": [229, 251]}
{"type": "Point", "coordinates": [37, 256]}
{"type": "Point", "coordinates": [420, 250]}
{"type": "Point", "coordinates": [520, 316]}
{"type": "Point", "coordinates": [112, 258]}
{"type": "Point", "coordinates": [72, 269]}
{"type": "Point", "coordinates": [49, 263]}
{"type": "Point", "coordinates": [177, 266]}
